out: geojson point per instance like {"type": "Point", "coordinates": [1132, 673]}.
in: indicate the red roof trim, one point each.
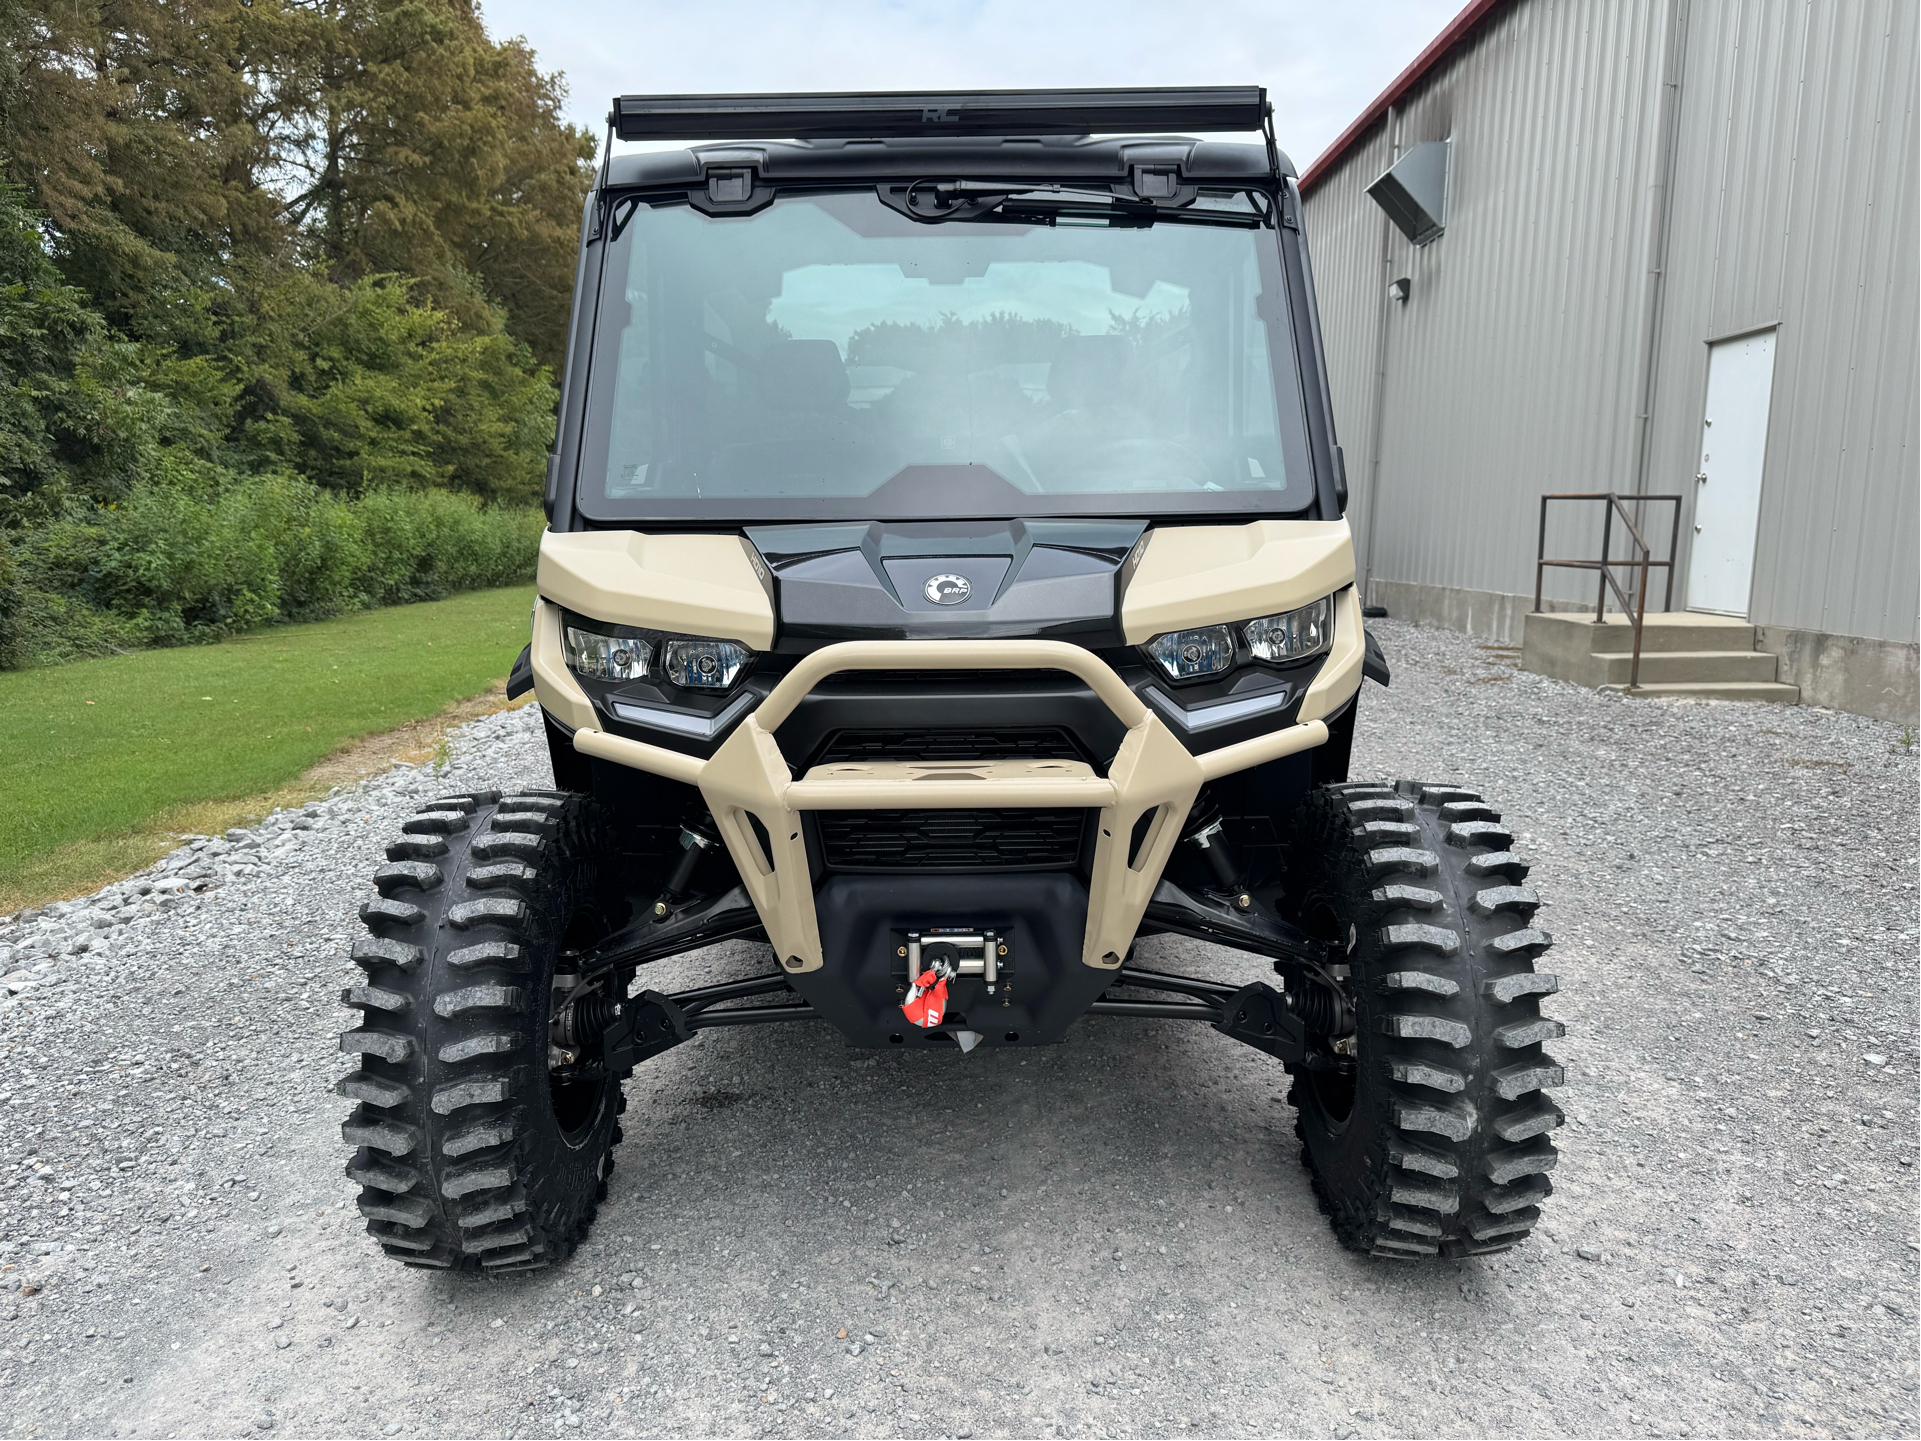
{"type": "Point", "coordinates": [1458, 29]}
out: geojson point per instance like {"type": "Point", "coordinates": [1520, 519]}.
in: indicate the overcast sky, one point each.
{"type": "Point", "coordinates": [1321, 62]}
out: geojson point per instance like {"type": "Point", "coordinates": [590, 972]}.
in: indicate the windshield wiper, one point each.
{"type": "Point", "coordinates": [937, 201]}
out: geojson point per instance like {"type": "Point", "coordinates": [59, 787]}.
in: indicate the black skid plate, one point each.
{"type": "Point", "coordinates": [1042, 914]}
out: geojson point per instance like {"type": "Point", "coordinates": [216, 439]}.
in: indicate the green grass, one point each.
{"type": "Point", "coordinates": [94, 754]}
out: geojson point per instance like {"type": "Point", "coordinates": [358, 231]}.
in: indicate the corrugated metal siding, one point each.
{"type": "Point", "coordinates": [1344, 239]}
{"type": "Point", "coordinates": [1797, 208]}
{"type": "Point", "coordinates": [1513, 368]}
{"type": "Point", "coordinates": [1516, 367]}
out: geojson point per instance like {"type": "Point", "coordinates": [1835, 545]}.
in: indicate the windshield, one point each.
{"type": "Point", "coordinates": [833, 358]}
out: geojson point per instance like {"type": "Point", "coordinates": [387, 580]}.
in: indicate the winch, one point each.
{"type": "Point", "coordinates": [927, 960]}
{"type": "Point", "coordinates": [951, 952]}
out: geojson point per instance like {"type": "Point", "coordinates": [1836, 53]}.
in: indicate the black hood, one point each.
{"type": "Point", "coordinates": [952, 580]}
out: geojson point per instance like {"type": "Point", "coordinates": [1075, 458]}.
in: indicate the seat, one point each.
{"type": "Point", "coordinates": [800, 375]}
{"type": "Point", "coordinates": [1089, 371]}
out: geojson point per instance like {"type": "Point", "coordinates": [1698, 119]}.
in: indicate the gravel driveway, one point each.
{"type": "Point", "coordinates": [806, 1240]}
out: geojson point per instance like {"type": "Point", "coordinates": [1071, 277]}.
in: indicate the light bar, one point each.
{"type": "Point", "coordinates": [943, 112]}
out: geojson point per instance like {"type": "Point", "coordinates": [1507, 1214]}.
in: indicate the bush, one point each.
{"type": "Point", "coordinates": [196, 553]}
{"type": "Point", "coordinates": [427, 544]}
{"type": "Point", "coordinates": [363, 387]}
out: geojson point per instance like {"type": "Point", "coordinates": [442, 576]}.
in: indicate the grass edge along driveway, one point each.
{"type": "Point", "coordinates": [94, 753]}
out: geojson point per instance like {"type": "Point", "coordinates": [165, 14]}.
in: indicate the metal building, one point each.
{"type": "Point", "coordinates": [1656, 217]}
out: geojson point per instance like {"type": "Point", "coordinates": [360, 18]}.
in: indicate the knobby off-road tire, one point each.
{"type": "Point", "coordinates": [471, 1154]}
{"type": "Point", "coordinates": [1438, 1143]}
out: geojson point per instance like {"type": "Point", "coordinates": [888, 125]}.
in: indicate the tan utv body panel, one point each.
{"type": "Point", "coordinates": [555, 688]}
{"type": "Point", "coordinates": [1340, 674]}
{"type": "Point", "coordinates": [1204, 575]}
{"type": "Point", "coordinates": [711, 585]}
{"type": "Point", "coordinates": [1191, 575]}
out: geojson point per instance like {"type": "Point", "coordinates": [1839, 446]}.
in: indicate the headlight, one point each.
{"type": "Point", "coordinates": [608, 657]}
{"type": "Point", "coordinates": [1214, 649]}
{"type": "Point", "coordinates": [1297, 634]}
{"type": "Point", "coordinates": [703, 664]}
{"type": "Point", "coordinates": [630, 653]}
{"type": "Point", "coordinates": [1186, 653]}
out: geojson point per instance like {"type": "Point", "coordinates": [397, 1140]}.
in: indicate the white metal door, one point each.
{"type": "Point", "coordinates": [1727, 485]}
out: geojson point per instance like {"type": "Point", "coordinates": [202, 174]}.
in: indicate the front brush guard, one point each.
{"type": "Point", "coordinates": [757, 802]}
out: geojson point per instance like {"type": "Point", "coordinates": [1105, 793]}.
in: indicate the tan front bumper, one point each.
{"type": "Point", "coordinates": [1151, 771]}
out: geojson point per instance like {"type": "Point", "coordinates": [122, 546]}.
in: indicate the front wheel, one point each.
{"type": "Point", "coordinates": [1426, 1131]}
{"type": "Point", "coordinates": [482, 1134]}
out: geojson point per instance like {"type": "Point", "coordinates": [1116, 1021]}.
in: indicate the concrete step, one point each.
{"type": "Point", "coordinates": [1689, 667]}
{"type": "Point", "coordinates": [1664, 631]}
{"type": "Point", "coordinates": [1770, 691]}
{"type": "Point", "coordinates": [1704, 657]}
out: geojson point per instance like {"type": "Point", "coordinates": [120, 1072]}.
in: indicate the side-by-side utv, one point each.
{"type": "Point", "coordinates": [948, 586]}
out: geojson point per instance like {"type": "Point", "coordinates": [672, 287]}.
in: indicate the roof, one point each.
{"type": "Point", "coordinates": [1459, 29]}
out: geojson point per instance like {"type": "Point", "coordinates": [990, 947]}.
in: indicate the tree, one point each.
{"type": "Point", "coordinates": [424, 148]}
{"type": "Point", "coordinates": [173, 142]}
{"type": "Point", "coordinates": [46, 334]}
{"type": "Point", "coordinates": [132, 124]}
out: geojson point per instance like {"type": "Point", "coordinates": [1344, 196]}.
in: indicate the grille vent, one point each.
{"type": "Point", "coordinates": [943, 840]}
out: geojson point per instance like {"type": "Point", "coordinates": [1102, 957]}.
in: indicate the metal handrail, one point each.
{"type": "Point", "coordinates": [1605, 565]}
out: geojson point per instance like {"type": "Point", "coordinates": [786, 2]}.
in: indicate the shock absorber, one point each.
{"type": "Point", "coordinates": [696, 840]}
{"type": "Point", "coordinates": [1204, 832]}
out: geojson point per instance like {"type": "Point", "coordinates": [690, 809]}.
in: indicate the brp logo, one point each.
{"type": "Point", "coordinates": [947, 589]}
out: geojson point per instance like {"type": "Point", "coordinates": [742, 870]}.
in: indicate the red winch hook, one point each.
{"type": "Point", "coordinates": [926, 1002]}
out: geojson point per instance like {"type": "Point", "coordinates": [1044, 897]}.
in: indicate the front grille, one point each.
{"type": "Point", "coordinates": [1012, 743]}
{"type": "Point", "coordinates": [1010, 840]}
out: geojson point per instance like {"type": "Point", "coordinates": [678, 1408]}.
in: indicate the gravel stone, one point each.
{"type": "Point", "coordinates": [1746, 1187]}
